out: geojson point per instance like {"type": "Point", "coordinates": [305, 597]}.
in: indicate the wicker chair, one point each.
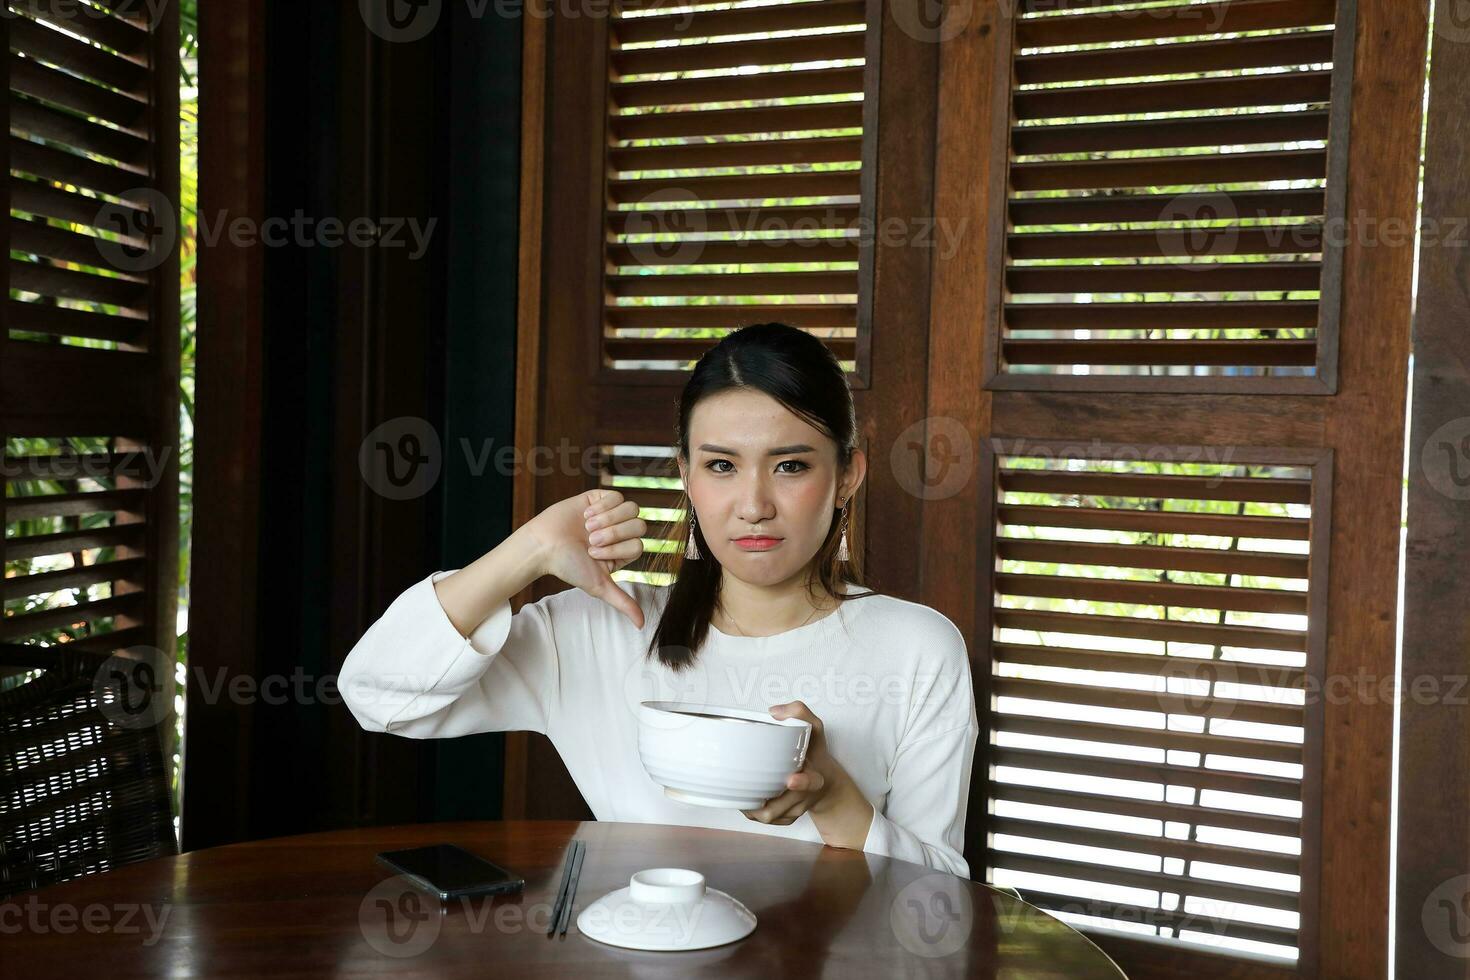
{"type": "Point", "coordinates": [78, 794]}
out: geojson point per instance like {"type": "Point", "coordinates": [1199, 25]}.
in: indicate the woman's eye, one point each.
{"type": "Point", "coordinates": [715, 464]}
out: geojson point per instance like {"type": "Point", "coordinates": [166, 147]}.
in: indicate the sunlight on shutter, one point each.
{"type": "Point", "coordinates": [1151, 656]}
{"type": "Point", "coordinates": [1170, 179]}
{"type": "Point", "coordinates": [735, 148]}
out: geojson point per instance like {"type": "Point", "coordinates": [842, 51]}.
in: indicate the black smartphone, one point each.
{"type": "Point", "coordinates": [450, 872]}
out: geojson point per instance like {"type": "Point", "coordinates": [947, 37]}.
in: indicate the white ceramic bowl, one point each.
{"type": "Point", "coordinates": [710, 755]}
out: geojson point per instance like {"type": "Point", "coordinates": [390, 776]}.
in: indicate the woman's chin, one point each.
{"type": "Point", "coordinates": [758, 568]}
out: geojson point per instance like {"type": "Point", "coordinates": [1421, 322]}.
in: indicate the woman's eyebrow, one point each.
{"type": "Point", "coordinates": [778, 451]}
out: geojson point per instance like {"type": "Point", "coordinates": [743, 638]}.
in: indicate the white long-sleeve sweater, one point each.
{"type": "Point", "coordinates": [889, 679]}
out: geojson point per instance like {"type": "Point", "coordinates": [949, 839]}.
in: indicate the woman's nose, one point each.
{"type": "Point", "coordinates": [754, 504]}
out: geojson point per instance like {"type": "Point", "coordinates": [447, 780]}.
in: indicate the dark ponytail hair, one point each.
{"type": "Point", "coordinates": [800, 372]}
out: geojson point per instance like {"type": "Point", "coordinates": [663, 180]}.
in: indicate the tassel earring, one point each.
{"type": "Point", "coordinates": [842, 552]}
{"type": "Point", "coordinates": [691, 550]}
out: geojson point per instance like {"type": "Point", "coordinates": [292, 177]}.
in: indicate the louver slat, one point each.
{"type": "Point", "coordinates": [117, 33]}
{"type": "Point", "coordinates": [1227, 17]}
{"type": "Point", "coordinates": [690, 156]}
{"type": "Point", "coordinates": [1185, 56]}
{"type": "Point", "coordinates": [78, 57]}
{"type": "Point", "coordinates": [733, 183]}
{"type": "Point", "coordinates": [1160, 169]}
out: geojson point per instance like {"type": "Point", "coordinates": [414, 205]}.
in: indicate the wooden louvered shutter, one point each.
{"type": "Point", "coordinates": [733, 176]}
{"type": "Point", "coordinates": [1166, 202]}
{"type": "Point", "coordinates": [89, 357]}
{"type": "Point", "coordinates": [1189, 402]}
{"type": "Point", "coordinates": [1152, 643]}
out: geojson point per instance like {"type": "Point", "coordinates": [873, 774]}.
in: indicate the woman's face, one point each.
{"type": "Point", "coordinates": [756, 468]}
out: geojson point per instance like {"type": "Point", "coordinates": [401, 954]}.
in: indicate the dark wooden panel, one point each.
{"type": "Point", "coordinates": [1431, 886]}
{"type": "Point", "coordinates": [223, 630]}
{"type": "Point", "coordinates": [565, 203]}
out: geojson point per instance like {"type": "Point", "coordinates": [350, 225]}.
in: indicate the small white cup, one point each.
{"type": "Point", "coordinates": [666, 886]}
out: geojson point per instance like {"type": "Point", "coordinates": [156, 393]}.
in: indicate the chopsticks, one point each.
{"type": "Point", "coordinates": [571, 873]}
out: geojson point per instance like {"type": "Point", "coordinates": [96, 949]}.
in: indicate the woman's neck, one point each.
{"type": "Point", "coordinates": [743, 609]}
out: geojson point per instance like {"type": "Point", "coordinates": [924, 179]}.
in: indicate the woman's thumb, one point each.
{"type": "Point", "coordinates": [611, 593]}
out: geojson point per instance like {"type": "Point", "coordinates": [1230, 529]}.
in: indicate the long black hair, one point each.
{"type": "Point", "coordinates": [801, 373]}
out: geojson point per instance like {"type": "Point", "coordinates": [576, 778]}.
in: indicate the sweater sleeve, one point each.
{"type": "Point", "coordinates": [924, 819]}
{"type": "Point", "coordinates": [413, 674]}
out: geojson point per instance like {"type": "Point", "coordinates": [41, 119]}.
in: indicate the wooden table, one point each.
{"type": "Point", "coordinates": [320, 905]}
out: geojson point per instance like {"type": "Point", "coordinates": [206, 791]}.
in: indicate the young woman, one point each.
{"type": "Point", "coordinates": [766, 612]}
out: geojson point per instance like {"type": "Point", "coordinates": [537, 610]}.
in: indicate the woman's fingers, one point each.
{"type": "Point", "coordinates": [621, 551]}
{"type": "Point", "coordinates": [636, 527]}
{"type": "Point", "coordinates": [625, 511]}
{"type": "Point", "coordinates": [782, 810]}
{"type": "Point", "coordinates": [806, 781]}
{"type": "Point", "coordinates": [800, 804]}
{"type": "Point", "coordinates": [792, 815]}
{"type": "Point", "coordinates": [600, 500]}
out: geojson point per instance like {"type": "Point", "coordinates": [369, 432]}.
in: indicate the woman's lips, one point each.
{"type": "Point", "coordinates": [757, 544]}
